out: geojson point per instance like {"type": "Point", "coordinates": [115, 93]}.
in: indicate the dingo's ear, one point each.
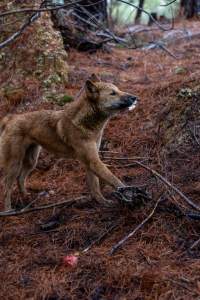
{"type": "Point", "coordinates": [94, 78]}
{"type": "Point", "coordinates": [92, 90]}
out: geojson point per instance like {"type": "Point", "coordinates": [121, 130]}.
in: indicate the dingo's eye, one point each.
{"type": "Point", "coordinates": [113, 93]}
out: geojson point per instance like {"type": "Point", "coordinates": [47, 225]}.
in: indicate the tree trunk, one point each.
{"type": "Point", "coordinates": [139, 11]}
{"type": "Point", "coordinates": [190, 8]}
{"type": "Point", "coordinates": [78, 26]}
{"type": "Point", "coordinates": [31, 67]}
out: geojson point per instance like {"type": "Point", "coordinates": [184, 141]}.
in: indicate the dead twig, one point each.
{"type": "Point", "coordinates": [154, 45]}
{"type": "Point", "coordinates": [120, 243]}
{"type": "Point", "coordinates": [100, 238]}
{"type": "Point", "coordinates": [107, 151]}
{"type": "Point", "coordinates": [27, 23]}
{"type": "Point", "coordinates": [161, 46]}
{"type": "Point", "coordinates": [31, 203]}
{"type": "Point", "coordinates": [195, 244]}
{"type": "Point", "coordinates": [181, 284]}
{"type": "Point", "coordinates": [38, 208]}
{"type": "Point", "coordinates": [174, 188]}
{"type": "Point", "coordinates": [193, 133]}
{"type": "Point", "coordinates": [167, 51]}
{"type": "Point", "coordinates": [37, 10]}
{"type": "Point", "coordinates": [31, 19]}
{"type": "Point", "coordinates": [167, 4]}
{"type": "Point", "coordinates": [15, 35]}
{"type": "Point", "coordinates": [125, 158]}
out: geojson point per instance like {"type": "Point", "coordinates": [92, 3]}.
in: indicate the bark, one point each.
{"type": "Point", "coordinates": [76, 25]}
{"type": "Point", "coordinates": [139, 12]}
{"type": "Point", "coordinates": [31, 63]}
{"type": "Point", "coordinates": [190, 8]}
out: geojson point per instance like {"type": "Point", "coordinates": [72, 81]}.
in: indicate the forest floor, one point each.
{"type": "Point", "coordinates": [157, 262]}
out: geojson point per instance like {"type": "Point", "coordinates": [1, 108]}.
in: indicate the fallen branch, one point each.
{"type": "Point", "coordinates": [174, 188]}
{"type": "Point", "coordinates": [165, 181]}
{"type": "Point", "coordinates": [107, 151]}
{"type": "Point", "coordinates": [100, 238]}
{"type": "Point", "coordinates": [27, 23]}
{"type": "Point", "coordinates": [31, 19]}
{"type": "Point", "coordinates": [38, 208]}
{"type": "Point", "coordinates": [15, 35]}
{"type": "Point", "coordinates": [162, 47]}
{"type": "Point", "coordinates": [37, 10]}
{"type": "Point", "coordinates": [125, 158]}
{"type": "Point", "coordinates": [120, 243]}
{"type": "Point", "coordinates": [167, 51]}
{"type": "Point", "coordinates": [31, 203]}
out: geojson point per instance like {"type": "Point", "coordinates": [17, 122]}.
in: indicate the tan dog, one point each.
{"type": "Point", "coordinates": [74, 132]}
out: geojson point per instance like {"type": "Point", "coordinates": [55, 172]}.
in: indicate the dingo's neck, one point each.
{"type": "Point", "coordinates": [85, 115]}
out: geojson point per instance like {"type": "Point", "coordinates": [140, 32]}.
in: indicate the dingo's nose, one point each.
{"type": "Point", "coordinates": [133, 102]}
{"type": "Point", "coordinates": [132, 98]}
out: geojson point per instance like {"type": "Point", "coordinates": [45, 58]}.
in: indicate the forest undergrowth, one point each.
{"type": "Point", "coordinates": [161, 260]}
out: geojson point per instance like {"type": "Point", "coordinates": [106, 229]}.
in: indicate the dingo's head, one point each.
{"type": "Point", "coordinates": [106, 97]}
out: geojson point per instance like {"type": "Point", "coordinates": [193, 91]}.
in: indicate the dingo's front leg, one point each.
{"type": "Point", "coordinates": [94, 186]}
{"type": "Point", "coordinates": [90, 157]}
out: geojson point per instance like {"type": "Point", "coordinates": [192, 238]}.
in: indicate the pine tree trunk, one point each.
{"type": "Point", "coordinates": [139, 11]}
{"type": "Point", "coordinates": [31, 68]}
{"type": "Point", "coordinates": [78, 26]}
{"type": "Point", "coordinates": [190, 8]}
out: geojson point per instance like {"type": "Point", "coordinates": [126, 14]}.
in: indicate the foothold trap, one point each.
{"type": "Point", "coordinates": [132, 196]}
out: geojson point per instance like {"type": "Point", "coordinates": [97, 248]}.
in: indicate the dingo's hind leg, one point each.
{"type": "Point", "coordinates": [29, 163]}
{"type": "Point", "coordinates": [12, 170]}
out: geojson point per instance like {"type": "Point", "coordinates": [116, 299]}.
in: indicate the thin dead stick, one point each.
{"type": "Point", "coordinates": [167, 50]}
{"type": "Point", "coordinates": [15, 35]}
{"type": "Point", "coordinates": [30, 203]}
{"type": "Point", "coordinates": [166, 182]}
{"type": "Point", "coordinates": [195, 244]}
{"type": "Point", "coordinates": [155, 45]}
{"type": "Point", "coordinates": [191, 290]}
{"type": "Point", "coordinates": [167, 4]}
{"type": "Point", "coordinates": [126, 158]}
{"type": "Point", "coordinates": [120, 243]}
{"type": "Point", "coordinates": [48, 206]}
{"type": "Point", "coordinates": [37, 10]}
{"type": "Point", "coordinates": [100, 238]}
{"type": "Point", "coordinates": [107, 151]}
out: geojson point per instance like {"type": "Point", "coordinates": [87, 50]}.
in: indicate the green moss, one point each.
{"type": "Point", "coordinates": [64, 100]}
{"type": "Point", "coordinates": [60, 100]}
{"type": "Point", "coordinates": [180, 70]}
